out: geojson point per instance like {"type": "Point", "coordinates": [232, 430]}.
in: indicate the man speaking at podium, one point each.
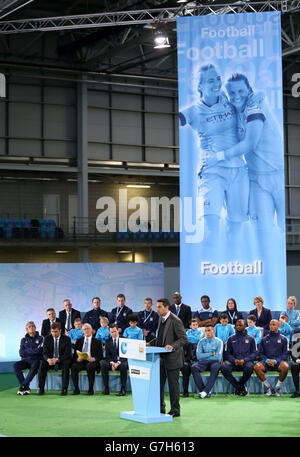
{"type": "Point", "coordinates": [170, 335]}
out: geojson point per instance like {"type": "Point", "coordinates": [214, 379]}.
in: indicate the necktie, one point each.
{"type": "Point", "coordinates": [86, 345]}
{"type": "Point", "coordinates": [115, 350]}
{"type": "Point", "coordinates": [55, 348]}
{"type": "Point", "coordinates": [68, 326]}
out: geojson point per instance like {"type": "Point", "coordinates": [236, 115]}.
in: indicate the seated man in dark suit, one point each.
{"type": "Point", "coordinates": [47, 323]}
{"type": "Point", "coordinates": [181, 310]}
{"type": "Point", "coordinates": [68, 315]}
{"type": "Point", "coordinates": [57, 354]}
{"type": "Point", "coordinates": [113, 361]}
{"type": "Point", "coordinates": [93, 347]}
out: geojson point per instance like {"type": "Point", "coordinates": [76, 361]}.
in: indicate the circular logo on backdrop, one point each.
{"type": "Point", "coordinates": [124, 348]}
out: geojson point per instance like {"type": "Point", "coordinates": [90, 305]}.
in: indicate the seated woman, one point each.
{"type": "Point", "coordinates": [263, 315]}
{"type": "Point", "coordinates": [232, 312]}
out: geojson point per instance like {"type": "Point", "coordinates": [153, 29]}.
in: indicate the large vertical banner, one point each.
{"type": "Point", "coordinates": [231, 159]}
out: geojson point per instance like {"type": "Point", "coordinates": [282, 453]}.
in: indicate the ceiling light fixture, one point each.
{"type": "Point", "coordinates": [138, 186]}
{"type": "Point", "coordinates": [160, 35]}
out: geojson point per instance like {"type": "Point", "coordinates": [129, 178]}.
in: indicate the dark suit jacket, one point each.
{"type": "Point", "coordinates": [174, 335]}
{"type": "Point", "coordinates": [64, 348]}
{"type": "Point", "coordinates": [96, 350]}
{"type": "Point", "coordinates": [63, 316]}
{"type": "Point", "coordinates": [109, 348]}
{"type": "Point", "coordinates": [46, 330]}
{"type": "Point", "coordinates": [185, 314]}
{"type": "Point", "coordinates": [264, 319]}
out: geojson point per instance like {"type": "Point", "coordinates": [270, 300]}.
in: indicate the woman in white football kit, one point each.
{"type": "Point", "coordinates": [261, 142]}
{"type": "Point", "coordinates": [226, 183]}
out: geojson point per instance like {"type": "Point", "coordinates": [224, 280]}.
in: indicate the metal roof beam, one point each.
{"type": "Point", "coordinates": [141, 16]}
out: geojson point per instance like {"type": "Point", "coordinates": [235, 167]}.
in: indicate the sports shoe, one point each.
{"type": "Point", "coordinates": [277, 392]}
{"type": "Point", "coordinates": [27, 391]}
{"type": "Point", "coordinates": [269, 392]}
{"type": "Point", "coordinates": [244, 392]}
{"type": "Point", "coordinates": [20, 391]}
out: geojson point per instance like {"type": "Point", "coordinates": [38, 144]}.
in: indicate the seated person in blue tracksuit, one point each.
{"type": "Point", "coordinates": [224, 330]}
{"type": "Point", "coordinates": [206, 314]}
{"type": "Point", "coordinates": [76, 333]}
{"type": "Point", "coordinates": [294, 315]}
{"type": "Point", "coordinates": [252, 329]}
{"type": "Point", "coordinates": [31, 353]}
{"type": "Point", "coordinates": [103, 333]}
{"type": "Point", "coordinates": [148, 320]}
{"type": "Point", "coordinates": [209, 355]}
{"type": "Point", "coordinates": [284, 328]}
{"type": "Point", "coordinates": [239, 355]}
{"type": "Point", "coordinates": [133, 332]}
{"type": "Point", "coordinates": [194, 335]}
{"type": "Point", "coordinates": [119, 315]}
{"type": "Point", "coordinates": [273, 356]}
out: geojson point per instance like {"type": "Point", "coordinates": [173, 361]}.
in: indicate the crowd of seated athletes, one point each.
{"type": "Point", "coordinates": [217, 342]}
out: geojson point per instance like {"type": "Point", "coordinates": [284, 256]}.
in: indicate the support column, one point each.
{"type": "Point", "coordinates": [82, 158]}
{"type": "Point", "coordinates": [83, 254]}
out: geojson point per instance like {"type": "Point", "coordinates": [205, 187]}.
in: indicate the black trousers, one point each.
{"type": "Point", "coordinates": [295, 369]}
{"type": "Point", "coordinates": [90, 367]}
{"type": "Point", "coordinates": [23, 365]}
{"type": "Point", "coordinates": [45, 367]}
{"type": "Point", "coordinates": [122, 368]}
{"type": "Point", "coordinates": [186, 371]}
{"type": "Point", "coordinates": [173, 381]}
{"type": "Point", "coordinates": [229, 367]}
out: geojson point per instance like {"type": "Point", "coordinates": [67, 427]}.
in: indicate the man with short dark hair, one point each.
{"type": "Point", "coordinates": [119, 315]}
{"type": "Point", "coordinates": [90, 345]}
{"type": "Point", "coordinates": [273, 356]}
{"type": "Point", "coordinates": [31, 350]}
{"type": "Point", "coordinates": [209, 355]}
{"type": "Point", "coordinates": [114, 362]}
{"type": "Point", "coordinates": [239, 355]}
{"type": "Point", "coordinates": [57, 354]}
{"type": "Point", "coordinates": [51, 319]}
{"type": "Point", "coordinates": [181, 310]}
{"type": "Point", "coordinates": [68, 315]}
{"type": "Point", "coordinates": [170, 335]}
{"type": "Point", "coordinates": [92, 317]}
{"type": "Point", "coordinates": [206, 315]}
{"type": "Point", "coordinates": [148, 320]}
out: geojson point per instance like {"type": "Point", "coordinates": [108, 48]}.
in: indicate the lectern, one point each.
{"type": "Point", "coordinates": [145, 385]}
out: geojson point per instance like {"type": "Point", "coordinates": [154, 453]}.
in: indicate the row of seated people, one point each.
{"type": "Point", "coordinates": [105, 334]}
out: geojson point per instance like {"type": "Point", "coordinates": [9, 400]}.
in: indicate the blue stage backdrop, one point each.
{"type": "Point", "coordinates": [232, 159]}
{"type": "Point", "coordinates": [27, 290]}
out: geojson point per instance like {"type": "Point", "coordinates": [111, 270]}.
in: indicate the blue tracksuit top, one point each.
{"type": "Point", "coordinates": [255, 332]}
{"type": "Point", "coordinates": [75, 333]}
{"type": "Point", "coordinates": [286, 330]}
{"type": "Point", "coordinates": [135, 333]}
{"type": "Point", "coordinates": [31, 348]}
{"type": "Point", "coordinates": [275, 347]}
{"type": "Point", "coordinates": [208, 345]}
{"type": "Point", "coordinates": [92, 317]}
{"type": "Point", "coordinates": [240, 346]}
{"type": "Point", "coordinates": [148, 320]}
{"type": "Point", "coordinates": [224, 331]}
{"type": "Point", "coordinates": [103, 334]}
{"type": "Point", "coordinates": [194, 336]}
{"type": "Point", "coordinates": [119, 316]}
{"type": "Point", "coordinates": [294, 318]}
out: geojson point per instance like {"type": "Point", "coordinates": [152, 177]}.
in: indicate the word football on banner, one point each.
{"type": "Point", "coordinates": [232, 240]}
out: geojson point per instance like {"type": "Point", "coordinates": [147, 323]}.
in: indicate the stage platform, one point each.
{"type": "Point", "coordinates": [254, 385]}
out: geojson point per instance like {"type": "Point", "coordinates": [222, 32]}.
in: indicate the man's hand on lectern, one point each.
{"type": "Point", "coordinates": [169, 347]}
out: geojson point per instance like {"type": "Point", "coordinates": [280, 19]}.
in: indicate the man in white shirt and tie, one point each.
{"type": "Point", "coordinates": [114, 362]}
{"type": "Point", "coordinates": [181, 310]}
{"type": "Point", "coordinates": [93, 348]}
{"type": "Point", "coordinates": [68, 315]}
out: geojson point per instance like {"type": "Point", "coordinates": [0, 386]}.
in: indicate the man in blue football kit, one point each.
{"type": "Point", "coordinates": [214, 116]}
{"type": "Point", "coordinates": [273, 356]}
{"type": "Point", "coordinates": [209, 354]}
{"type": "Point", "coordinates": [148, 320]}
{"type": "Point", "coordinates": [92, 317]}
{"type": "Point", "coordinates": [119, 315]}
{"type": "Point", "coordinates": [239, 355]}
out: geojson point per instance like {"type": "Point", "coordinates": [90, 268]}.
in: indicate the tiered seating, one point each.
{"type": "Point", "coordinates": [149, 235]}
{"type": "Point", "coordinates": [25, 228]}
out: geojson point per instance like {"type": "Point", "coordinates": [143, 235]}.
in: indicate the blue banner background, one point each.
{"type": "Point", "coordinates": [249, 44]}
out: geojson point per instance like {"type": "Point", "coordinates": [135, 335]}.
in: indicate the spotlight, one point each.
{"type": "Point", "coordinates": [160, 35]}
